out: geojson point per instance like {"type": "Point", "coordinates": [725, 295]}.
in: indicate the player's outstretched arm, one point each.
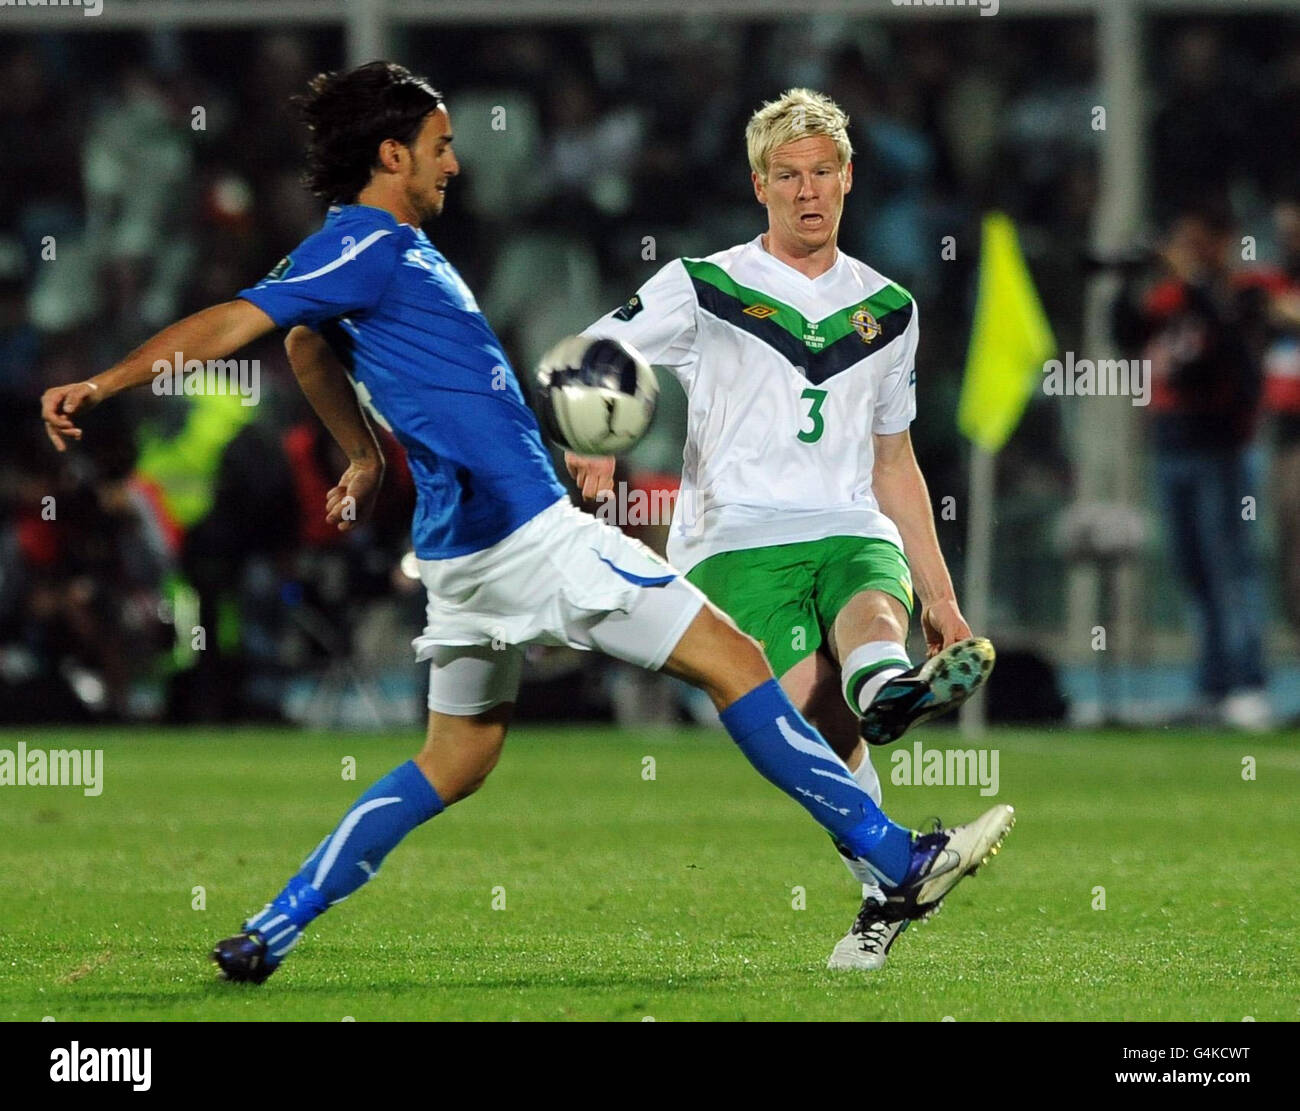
{"type": "Point", "coordinates": [212, 333]}
{"type": "Point", "coordinates": [903, 497]}
{"type": "Point", "coordinates": [326, 386]}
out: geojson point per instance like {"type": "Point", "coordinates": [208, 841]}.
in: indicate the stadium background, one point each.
{"type": "Point", "coordinates": [154, 145]}
{"type": "Point", "coordinates": [640, 869]}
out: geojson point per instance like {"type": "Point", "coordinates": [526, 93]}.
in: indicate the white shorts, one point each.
{"type": "Point", "coordinates": [562, 578]}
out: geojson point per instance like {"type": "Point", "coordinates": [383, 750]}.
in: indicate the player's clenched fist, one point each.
{"type": "Point", "coordinates": [593, 474]}
{"type": "Point", "coordinates": [59, 403]}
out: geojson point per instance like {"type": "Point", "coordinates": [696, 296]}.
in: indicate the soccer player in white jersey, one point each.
{"type": "Point", "coordinates": [802, 511]}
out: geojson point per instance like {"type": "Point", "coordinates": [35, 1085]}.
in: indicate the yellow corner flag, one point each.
{"type": "Point", "coordinates": [1010, 340]}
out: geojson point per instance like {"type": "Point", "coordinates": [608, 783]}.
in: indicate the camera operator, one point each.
{"type": "Point", "coordinates": [1202, 324]}
{"type": "Point", "coordinates": [1282, 401]}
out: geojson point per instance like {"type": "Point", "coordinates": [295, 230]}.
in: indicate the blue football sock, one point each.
{"type": "Point", "coordinates": [349, 856]}
{"type": "Point", "coordinates": [793, 755]}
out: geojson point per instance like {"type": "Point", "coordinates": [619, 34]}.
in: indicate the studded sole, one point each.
{"type": "Point", "coordinates": [950, 679]}
{"type": "Point", "coordinates": [995, 848]}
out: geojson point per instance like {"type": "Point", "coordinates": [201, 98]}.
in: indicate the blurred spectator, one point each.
{"type": "Point", "coordinates": [1203, 328]}
{"type": "Point", "coordinates": [895, 164]}
{"type": "Point", "coordinates": [86, 555]}
{"type": "Point", "coordinates": [38, 128]}
{"type": "Point", "coordinates": [1200, 136]}
{"type": "Point", "coordinates": [270, 569]}
{"type": "Point", "coordinates": [138, 171]}
{"type": "Point", "coordinates": [19, 342]}
{"type": "Point", "coordinates": [1282, 400]}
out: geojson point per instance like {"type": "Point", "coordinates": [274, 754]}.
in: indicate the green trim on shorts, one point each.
{"type": "Point", "coordinates": [786, 596]}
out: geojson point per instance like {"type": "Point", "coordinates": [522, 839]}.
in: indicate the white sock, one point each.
{"type": "Point", "coordinates": [865, 776]}
{"type": "Point", "coordinates": [869, 781]}
{"type": "Point", "coordinates": [879, 661]}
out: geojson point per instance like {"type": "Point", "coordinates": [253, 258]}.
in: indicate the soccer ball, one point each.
{"type": "Point", "coordinates": [595, 396]}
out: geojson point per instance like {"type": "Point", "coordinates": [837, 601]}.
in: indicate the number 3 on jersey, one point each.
{"type": "Point", "coordinates": [813, 434]}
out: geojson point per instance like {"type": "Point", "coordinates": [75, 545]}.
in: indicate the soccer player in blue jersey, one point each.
{"type": "Point", "coordinates": [506, 559]}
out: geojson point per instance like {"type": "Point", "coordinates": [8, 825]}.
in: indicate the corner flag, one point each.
{"type": "Point", "coordinates": [1010, 340]}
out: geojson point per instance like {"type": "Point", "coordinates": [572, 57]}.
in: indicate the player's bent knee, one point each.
{"type": "Point", "coordinates": [869, 616]}
{"type": "Point", "coordinates": [460, 752]}
{"type": "Point", "coordinates": [464, 786]}
{"type": "Point", "coordinates": [456, 778]}
{"type": "Point", "coordinates": [717, 657]}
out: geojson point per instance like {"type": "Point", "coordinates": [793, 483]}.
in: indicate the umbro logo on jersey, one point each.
{"type": "Point", "coordinates": [762, 312]}
{"type": "Point", "coordinates": [866, 325]}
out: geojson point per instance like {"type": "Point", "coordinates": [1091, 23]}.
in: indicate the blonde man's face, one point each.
{"type": "Point", "coordinates": [804, 192]}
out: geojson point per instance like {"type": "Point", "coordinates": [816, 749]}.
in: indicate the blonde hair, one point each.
{"type": "Point", "coordinates": [796, 114]}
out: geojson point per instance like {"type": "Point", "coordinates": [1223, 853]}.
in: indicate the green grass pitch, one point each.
{"type": "Point", "coordinates": [670, 898]}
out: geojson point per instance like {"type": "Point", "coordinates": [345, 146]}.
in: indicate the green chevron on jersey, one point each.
{"type": "Point", "coordinates": [821, 348]}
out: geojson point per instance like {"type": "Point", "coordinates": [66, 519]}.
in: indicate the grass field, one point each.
{"type": "Point", "coordinates": [670, 898]}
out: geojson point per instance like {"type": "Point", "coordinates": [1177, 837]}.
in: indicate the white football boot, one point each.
{"type": "Point", "coordinates": [942, 858]}
{"type": "Point", "coordinates": [866, 945]}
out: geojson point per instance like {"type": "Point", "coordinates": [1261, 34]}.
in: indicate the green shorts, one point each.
{"type": "Point", "coordinates": [786, 596]}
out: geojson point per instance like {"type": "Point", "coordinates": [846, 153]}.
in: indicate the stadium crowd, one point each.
{"type": "Point", "coordinates": [177, 564]}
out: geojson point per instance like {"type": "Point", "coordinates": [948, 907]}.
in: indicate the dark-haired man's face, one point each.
{"type": "Point", "coordinates": [1200, 247]}
{"type": "Point", "coordinates": [433, 164]}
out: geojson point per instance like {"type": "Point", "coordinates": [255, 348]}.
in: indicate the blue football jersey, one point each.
{"type": "Point", "coordinates": [429, 367]}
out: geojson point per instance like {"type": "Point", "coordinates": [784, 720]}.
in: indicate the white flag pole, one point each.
{"type": "Point", "coordinates": [979, 571]}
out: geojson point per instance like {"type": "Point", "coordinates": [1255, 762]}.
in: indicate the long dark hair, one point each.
{"type": "Point", "coordinates": [349, 114]}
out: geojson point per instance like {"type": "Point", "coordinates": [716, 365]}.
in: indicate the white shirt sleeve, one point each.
{"type": "Point", "coordinates": [896, 403]}
{"type": "Point", "coordinates": [659, 321]}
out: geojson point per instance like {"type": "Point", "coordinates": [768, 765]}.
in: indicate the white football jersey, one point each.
{"type": "Point", "coordinates": [786, 379]}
